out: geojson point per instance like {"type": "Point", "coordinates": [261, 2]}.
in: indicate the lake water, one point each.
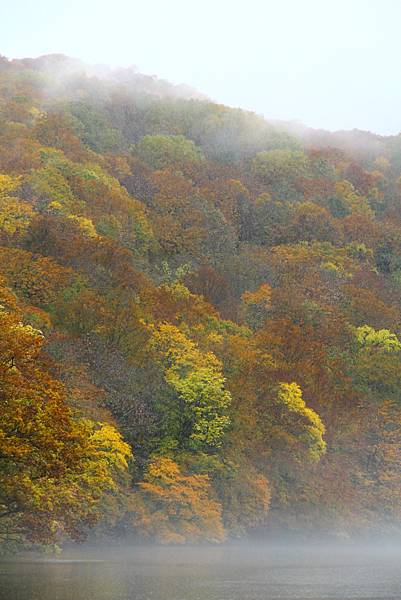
{"type": "Point", "coordinates": [218, 573]}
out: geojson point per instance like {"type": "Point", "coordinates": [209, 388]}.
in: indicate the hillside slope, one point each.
{"type": "Point", "coordinates": [200, 316]}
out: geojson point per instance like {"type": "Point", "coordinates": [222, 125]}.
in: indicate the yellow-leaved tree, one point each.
{"type": "Point", "coordinates": [55, 468]}
{"type": "Point", "coordinates": [196, 401]}
{"type": "Point", "coordinates": [173, 507]}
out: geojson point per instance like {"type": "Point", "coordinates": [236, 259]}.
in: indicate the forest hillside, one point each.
{"type": "Point", "coordinates": [200, 316]}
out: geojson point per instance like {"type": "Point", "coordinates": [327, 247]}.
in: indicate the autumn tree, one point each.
{"type": "Point", "coordinates": [54, 468]}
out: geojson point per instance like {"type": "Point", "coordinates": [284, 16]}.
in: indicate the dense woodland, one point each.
{"type": "Point", "coordinates": [200, 316]}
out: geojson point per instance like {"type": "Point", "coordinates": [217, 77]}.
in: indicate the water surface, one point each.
{"type": "Point", "coordinates": [218, 573]}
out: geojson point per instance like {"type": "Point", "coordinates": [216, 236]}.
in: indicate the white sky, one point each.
{"type": "Point", "coordinates": [329, 63]}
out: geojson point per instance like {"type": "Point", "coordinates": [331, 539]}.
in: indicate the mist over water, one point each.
{"type": "Point", "coordinates": [238, 572]}
{"type": "Point", "coordinates": [219, 296]}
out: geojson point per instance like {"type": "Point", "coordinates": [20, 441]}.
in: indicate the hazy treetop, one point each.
{"type": "Point", "coordinates": [332, 65]}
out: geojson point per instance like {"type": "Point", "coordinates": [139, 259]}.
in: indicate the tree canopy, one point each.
{"type": "Point", "coordinates": [200, 317]}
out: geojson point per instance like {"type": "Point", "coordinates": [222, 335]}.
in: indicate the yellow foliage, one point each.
{"type": "Point", "coordinates": [8, 184]}
{"type": "Point", "coordinates": [85, 224]}
{"type": "Point", "coordinates": [172, 507]}
{"type": "Point", "coordinates": [15, 215]}
{"type": "Point", "coordinates": [289, 395]}
{"type": "Point", "coordinates": [260, 296]}
{"type": "Point", "coordinates": [197, 378]}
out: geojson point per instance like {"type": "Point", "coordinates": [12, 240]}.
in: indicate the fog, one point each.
{"type": "Point", "coordinates": [105, 159]}
{"type": "Point", "coordinates": [59, 79]}
{"type": "Point", "coordinates": [331, 65]}
{"type": "Point", "coordinates": [63, 77]}
{"type": "Point", "coordinates": [235, 572]}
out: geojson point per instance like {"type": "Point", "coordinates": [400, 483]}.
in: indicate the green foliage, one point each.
{"type": "Point", "coordinates": [197, 380]}
{"type": "Point", "coordinates": [162, 151]}
{"type": "Point", "coordinates": [280, 170]}
{"type": "Point", "coordinates": [94, 130]}
{"type": "Point", "coordinates": [174, 263]}
{"type": "Point", "coordinates": [382, 340]}
{"type": "Point", "coordinates": [376, 363]}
